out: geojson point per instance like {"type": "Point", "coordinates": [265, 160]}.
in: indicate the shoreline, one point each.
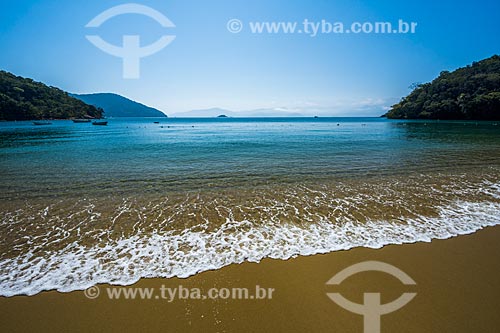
{"type": "Point", "coordinates": [329, 239]}
{"type": "Point", "coordinates": [457, 291]}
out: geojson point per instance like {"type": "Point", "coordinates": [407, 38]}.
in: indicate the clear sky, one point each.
{"type": "Point", "coordinates": [208, 66]}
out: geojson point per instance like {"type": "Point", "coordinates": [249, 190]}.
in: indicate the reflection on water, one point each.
{"type": "Point", "coordinates": [470, 132]}
{"type": "Point", "coordinates": [32, 137]}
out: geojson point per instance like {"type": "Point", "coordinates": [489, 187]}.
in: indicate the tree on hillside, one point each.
{"type": "Point", "coordinates": [471, 92]}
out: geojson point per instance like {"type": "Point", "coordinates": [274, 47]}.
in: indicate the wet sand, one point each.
{"type": "Point", "coordinates": [458, 290]}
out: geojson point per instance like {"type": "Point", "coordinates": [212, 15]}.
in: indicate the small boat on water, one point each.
{"type": "Point", "coordinates": [100, 123]}
{"type": "Point", "coordinates": [41, 123]}
{"type": "Point", "coordinates": [81, 120]}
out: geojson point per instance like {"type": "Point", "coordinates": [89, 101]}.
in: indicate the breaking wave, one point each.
{"type": "Point", "coordinates": [129, 243]}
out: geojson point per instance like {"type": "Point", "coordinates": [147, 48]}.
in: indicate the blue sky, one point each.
{"type": "Point", "coordinates": [207, 66]}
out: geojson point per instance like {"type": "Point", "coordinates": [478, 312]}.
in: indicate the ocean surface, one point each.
{"type": "Point", "coordinates": [83, 204]}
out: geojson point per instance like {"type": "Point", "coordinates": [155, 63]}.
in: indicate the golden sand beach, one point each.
{"type": "Point", "coordinates": [456, 284]}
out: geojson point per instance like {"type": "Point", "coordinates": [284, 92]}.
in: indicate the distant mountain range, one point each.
{"type": "Point", "coordinates": [215, 112]}
{"type": "Point", "coordinates": [24, 99]}
{"type": "Point", "coordinates": [118, 106]}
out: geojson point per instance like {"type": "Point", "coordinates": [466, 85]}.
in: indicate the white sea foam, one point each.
{"type": "Point", "coordinates": [182, 254]}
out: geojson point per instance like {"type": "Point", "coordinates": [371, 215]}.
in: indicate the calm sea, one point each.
{"type": "Point", "coordinates": [83, 204]}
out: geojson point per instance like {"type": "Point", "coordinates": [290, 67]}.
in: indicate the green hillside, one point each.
{"type": "Point", "coordinates": [25, 99]}
{"type": "Point", "coordinates": [471, 92]}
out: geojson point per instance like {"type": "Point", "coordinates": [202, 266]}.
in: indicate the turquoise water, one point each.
{"type": "Point", "coordinates": [83, 204]}
{"type": "Point", "coordinates": [136, 155]}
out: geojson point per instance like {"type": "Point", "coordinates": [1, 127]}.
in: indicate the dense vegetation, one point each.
{"type": "Point", "coordinates": [119, 106]}
{"type": "Point", "coordinates": [25, 99]}
{"type": "Point", "coordinates": [472, 92]}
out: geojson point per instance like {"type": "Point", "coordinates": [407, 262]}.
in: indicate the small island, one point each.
{"type": "Point", "coordinates": [468, 93]}
{"type": "Point", "coordinates": [222, 116]}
